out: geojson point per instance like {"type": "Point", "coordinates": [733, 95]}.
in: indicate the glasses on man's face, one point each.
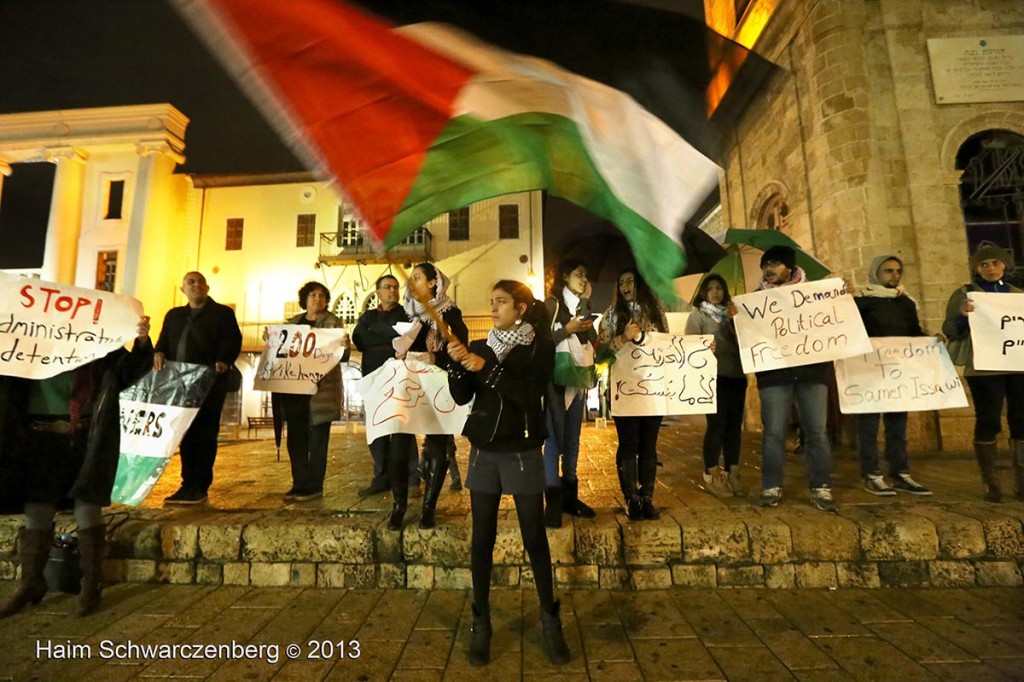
{"type": "Point", "coordinates": [388, 286]}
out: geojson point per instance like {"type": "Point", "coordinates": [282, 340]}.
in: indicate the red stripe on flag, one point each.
{"type": "Point", "coordinates": [370, 101]}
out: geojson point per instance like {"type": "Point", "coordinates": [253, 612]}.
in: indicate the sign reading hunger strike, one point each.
{"type": "Point", "coordinates": [409, 396]}
{"type": "Point", "coordinates": [997, 331]}
{"type": "Point", "coordinates": [48, 328]}
{"type": "Point", "coordinates": [297, 357]}
{"type": "Point", "coordinates": [798, 325]}
{"type": "Point", "coordinates": [664, 374]}
{"type": "Point", "coordinates": [901, 374]}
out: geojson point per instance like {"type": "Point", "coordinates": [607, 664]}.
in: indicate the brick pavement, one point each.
{"type": "Point", "coordinates": [755, 634]}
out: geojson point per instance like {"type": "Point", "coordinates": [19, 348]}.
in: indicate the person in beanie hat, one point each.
{"type": "Point", "coordinates": [989, 390]}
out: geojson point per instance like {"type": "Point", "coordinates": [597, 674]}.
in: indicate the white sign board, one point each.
{"type": "Point", "coordinates": [410, 396]}
{"type": "Point", "coordinates": [664, 374]}
{"type": "Point", "coordinates": [981, 69]}
{"type": "Point", "coordinates": [297, 357]}
{"type": "Point", "coordinates": [48, 328]}
{"type": "Point", "coordinates": [997, 331]}
{"type": "Point", "coordinates": [796, 325]}
{"type": "Point", "coordinates": [901, 374]}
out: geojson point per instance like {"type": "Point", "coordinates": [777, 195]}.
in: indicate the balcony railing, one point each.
{"type": "Point", "coordinates": [346, 247]}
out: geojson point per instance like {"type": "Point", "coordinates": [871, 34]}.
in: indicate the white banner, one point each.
{"type": "Point", "coordinates": [156, 411]}
{"type": "Point", "coordinates": [409, 396]}
{"type": "Point", "coordinates": [48, 328]}
{"type": "Point", "coordinates": [901, 374]}
{"type": "Point", "coordinates": [297, 357]}
{"type": "Point", "coordinates": [997, 331]}
{"type": "Point", "coordinates": [665, 374]}
{"type": "Point", "coordinates": [798, 325]}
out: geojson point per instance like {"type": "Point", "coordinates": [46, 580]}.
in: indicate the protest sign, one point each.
{"type": "Point", "coordinates": [664, 374]}
{"type": "Point", "coordinates": [297, 357]}
{"type": "Point", "coordinates": [901, 374]}
{"type": "Point", "coordinates": [796, 325]}
{"type": "Point", "coordinates": [48, 328]}
{"type": "Point", "coordinates": [409, 396]}
{"type": "Point", "coordinates": [997, 331]}
{"type": "Point", "coordinates": [156, 412]}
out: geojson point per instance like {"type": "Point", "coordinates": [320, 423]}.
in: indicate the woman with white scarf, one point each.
{"type": "Point", "coordinates": [725, 427]}
{"type": "Point", "coordinates": [635, 311]}
{"type": "Point", "coordinates": [425, 337]}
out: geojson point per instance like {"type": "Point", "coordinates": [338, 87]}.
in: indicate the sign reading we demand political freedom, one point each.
{"type": "Point", "coordinates": [47, 328]}
{"type": "Point", "coordinates": [664, 374]}
{"type": "Point", "coordinates": [796, 325]}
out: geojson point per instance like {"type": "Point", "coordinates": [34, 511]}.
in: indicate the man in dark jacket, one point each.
{"type": "Point", "coordinates": [203, 332]}
{"type": "Point", "coordinates": [373, 335]}
{"type": "Point", "coordinates": [807, 385]}
{"type": "Point", "coordinates": [887, 311]}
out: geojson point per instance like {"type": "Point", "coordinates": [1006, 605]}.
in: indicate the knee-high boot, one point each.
{"type": "Point", "coordinates": [398, 466]}
{"type": "Point", "coordinates": [91, 550]}
{"type": "Point", "coordinates": [628, 483]}
{"type": "Point", "coordinates": [986, 454]}
{"type": "Point", "coordinates": [437, 467]}
{"type": "Point", "coordinates": [34, 548]}
{"type": "Point", "coordinates": [571, 502]}
{"type": "Point", "coordinates": [1018, 466]}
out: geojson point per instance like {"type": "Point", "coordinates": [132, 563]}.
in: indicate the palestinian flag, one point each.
{"type": "Point", "coordinates": [413, 121]}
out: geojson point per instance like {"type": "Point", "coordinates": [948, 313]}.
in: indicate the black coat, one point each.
{"type": "Point", "coordinates": [453, 318]}
{"type": "Point", "coordinates": [508, 413]}
{"type": "Point", "coordinates": [219, 338]}
{"type": "Point", "coordinates": [95, 480]}
{"type": "Point", "coordinates": [373, 335]}
{"type": "Point", "coordinates": [896, 316]}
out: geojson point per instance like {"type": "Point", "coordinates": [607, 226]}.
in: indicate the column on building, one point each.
{"type": "Point", "coordinates": [64, 227]}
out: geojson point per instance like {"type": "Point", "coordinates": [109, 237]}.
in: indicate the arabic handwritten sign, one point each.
{"type": "Point", "coordinates": [997, 331]}
{"type": "Point", "coordinates": [664, 374]}
{"type": "Point", "coordinates": [901, 374]}
{"type": "Point", "coordinates": [156, 412]}
{"type": "Point", "coordinates": [798, 325]}
{"type": "Point", "coordinates": [297, 357]}
{"type": "Point", "coordinates": [409, 396]}
{"type": "Point", "coordinates": [48, 328]}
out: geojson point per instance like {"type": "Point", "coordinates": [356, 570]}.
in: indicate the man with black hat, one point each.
{"type": "Point", "coordinates": [886, 310]}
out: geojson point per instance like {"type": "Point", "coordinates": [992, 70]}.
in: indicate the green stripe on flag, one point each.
{"type": "Point", "coordinates": [473, 160]}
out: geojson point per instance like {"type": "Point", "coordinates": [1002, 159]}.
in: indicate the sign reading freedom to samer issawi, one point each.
{"type": "Point", "coordinates": [48, 328]}
{"type": "Point", "coordinates": [997, 331]}
{"type": "Point", "coordinates": [901, 374]}
{"type": "Point", "coordinates": [664, 374]}
{"type": "Point", "coordinates": [297, 357]}
{"type": "Point", "coordinates": [800, 324]}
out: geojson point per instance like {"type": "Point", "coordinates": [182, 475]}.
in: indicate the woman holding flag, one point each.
{"type": "Point", "coordinates": [506, 377]}
{"type": "Point", "coordinates": [436, 323]}
{"type": "Point", "coordinates": [635, 311]}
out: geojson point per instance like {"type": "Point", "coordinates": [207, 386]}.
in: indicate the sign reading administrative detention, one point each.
{"type": "Point", "coordinates": [409, 396]}
{"type": "Point", "coordinates": [48, 328]}
{"type": "Point", "coordinates": [664, 374]}
{"type": "Point", "coordinates": [997, 331]}
{"type": "Point", "coordinates": [901, 374]}
{"type": "Point", "coordinates": [297, 357]}
{"type": "Point", "coordinates": [800, 324]}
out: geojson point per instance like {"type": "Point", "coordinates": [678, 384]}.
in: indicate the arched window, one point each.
{"type": "Point", "coordinates": [992, 193]}
{"type": "Point", "coordinates": [774, 214]}
{"type": "Point", "coordinates": [371, 302]}
{"type": "Point", "coordinates": [345, 308]}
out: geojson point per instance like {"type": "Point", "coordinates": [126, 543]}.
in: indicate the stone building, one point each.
{"type": "Point", "coordinates": [896, 126]}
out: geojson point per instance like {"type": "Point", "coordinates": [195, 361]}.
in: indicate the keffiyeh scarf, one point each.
{"type": "Point", "coordinates": [796, 276]}
{"type": "Point", "coordinates": [503, 341]}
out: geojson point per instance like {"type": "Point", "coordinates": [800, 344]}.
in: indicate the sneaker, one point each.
{"type": "Point", "coordinates": [714, 482]}
{"type": "Point", "coordinates": [822, 499]}
{"type": "Point", "coordinates": [905, 484]}
{"type": "Point", "coordinates": [733, 482]}
{"type": "Point", "coordinates": [186, 496]}
{"type": "Point", "coordinates": [307, 496]}
{"type": "Point", "coordinates": [770, 497]}
{"type": "Point", "coordinates": [876, 485]}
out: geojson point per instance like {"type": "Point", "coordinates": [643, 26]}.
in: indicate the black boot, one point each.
{"type": "Point", "coordinates": [553, 507]}
{"type": "Point", "coordinates": [1017, 451]}
{"type": "Point", "coordinates": [634, 509]}
{"type": "Point", "coordinates": [986, 454]}
{"type": "Point", "coordinates": [554, 640]}
{"type": "Point", "coordinates": [437, 467]}
{"type": "Point", "coordinates": [91, 550]}
{"type": "Point", "coordinates": [34, 550]}
{"type": "Point", "coordinates": [647, 508]}
{"type": "Point", "coordinates": [480, 644]}
{"type": "Point", "coordinates": [453, 468]}
{"type": "Point", "coordinates": [398, 465]}
{"type": "Point", "coordinates": [627, 483]}
{"type": "Point", "coordinates": [571, 503]}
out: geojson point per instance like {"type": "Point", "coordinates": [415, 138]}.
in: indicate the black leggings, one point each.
{"type": "Point", "coordinates": [990, 391]}
{"type": "Point", "coordinates": [725, 427]}
{"type": "Point", "coordinates": [530, 509]}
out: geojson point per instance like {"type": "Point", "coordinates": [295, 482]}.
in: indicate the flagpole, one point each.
{"type": "Point", "coordinates": [425, 302]}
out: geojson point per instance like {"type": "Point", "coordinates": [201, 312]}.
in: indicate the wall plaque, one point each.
{"type": "Point", "coordinates": [987, 69]}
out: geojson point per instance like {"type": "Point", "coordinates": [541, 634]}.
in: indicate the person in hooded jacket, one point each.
{"type": "Point", "coordinates": [886, 310]}
{"type": "Point", "coordinates": [506, 377]}
{"type": "Point", "coordinates": [989, 390]}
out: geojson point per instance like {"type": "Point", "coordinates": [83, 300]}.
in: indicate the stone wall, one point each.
{"type": "Point", "coordinates": [851, 136]}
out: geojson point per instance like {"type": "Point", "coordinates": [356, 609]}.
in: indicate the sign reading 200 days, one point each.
{"type": "Point", "coordinates": [796, 325]}
{"type": "Point", "coordinates": [297, 357]}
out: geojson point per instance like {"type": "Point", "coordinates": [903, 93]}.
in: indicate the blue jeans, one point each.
{"type": "Point", "coordinates": [812, 403]}
{"type": "Point", "coordinates": [895, 443]}
{"type": "Point", "coordinates": [571, 453]}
